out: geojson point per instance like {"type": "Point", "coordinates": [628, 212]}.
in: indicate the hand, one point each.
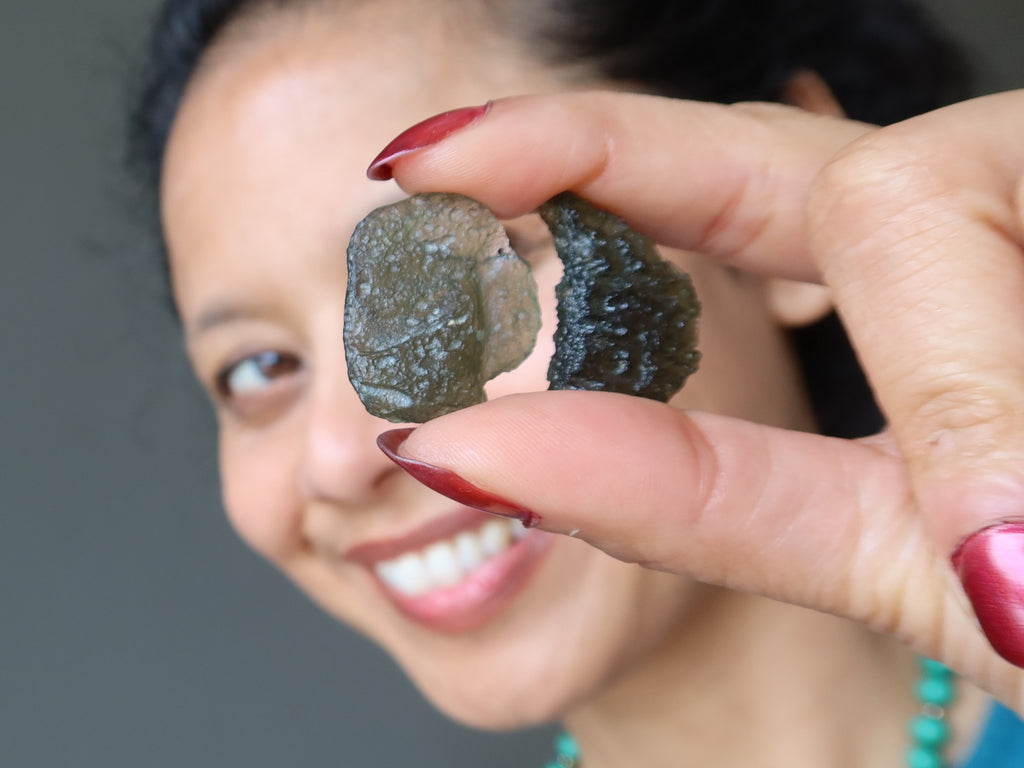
{"type": "Point", "coordinates": [916, 230]}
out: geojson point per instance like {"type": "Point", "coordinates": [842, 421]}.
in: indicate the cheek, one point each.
{"type": "Point", "coordinates": [531, 376]}
{"type": "Point", "coordinates": [747, 369]}
{"type": "Point", "coordinates": [260, 491]}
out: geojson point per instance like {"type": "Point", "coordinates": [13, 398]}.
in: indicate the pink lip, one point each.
{"type": "Point", "coordinates": [481, 595]}
{"type": "Point", "coordinates": [472, 602]}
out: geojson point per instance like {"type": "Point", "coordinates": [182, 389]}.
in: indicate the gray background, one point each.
{"type": "Point", "coordinates": [135, 630]}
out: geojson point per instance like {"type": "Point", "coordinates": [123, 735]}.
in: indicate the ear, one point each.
{"type": "Point", "coordinates": [807, 90]}
{"type": "Point", "coordinates": [795, 304]}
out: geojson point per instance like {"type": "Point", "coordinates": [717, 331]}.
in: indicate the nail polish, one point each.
{"type": "Point", "coordinates": [990, 564]}
{"type": "Point", "coordinates": [449, 484]}
{"type": "Point", "coordinates": [430, 131]}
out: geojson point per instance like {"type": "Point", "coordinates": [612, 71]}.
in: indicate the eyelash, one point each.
{"type": "Point", "coordinates": [269, 364]}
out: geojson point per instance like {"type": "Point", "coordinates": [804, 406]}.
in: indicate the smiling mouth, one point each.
{"type": "Point", "coordinates": [447, 563]}
{"type": "Point", "coordinates": [459, 577]}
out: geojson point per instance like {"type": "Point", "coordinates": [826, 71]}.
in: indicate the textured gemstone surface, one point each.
{"type": "Point", "coordinates": [437, 304]}
{"type": "Point", "coordinates": [627, 320]}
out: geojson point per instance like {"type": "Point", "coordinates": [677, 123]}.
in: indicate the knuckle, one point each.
{"type": "Point", "coordinates": [960, 423]}
{"type": "Point", "coordinates": [867, 185]}
{"type": "Point", "coordinates": [872, 166]}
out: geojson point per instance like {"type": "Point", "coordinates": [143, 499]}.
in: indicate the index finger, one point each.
{"type": "Point", "coordinates": [728, 181]}
{"type": "Point", "coordinates": [917, 228]}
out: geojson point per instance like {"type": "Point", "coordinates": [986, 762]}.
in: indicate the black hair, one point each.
{"type": "Point", "coordinates": [884, 60]}
{"type": "Point", "coordinates": [181, 34]}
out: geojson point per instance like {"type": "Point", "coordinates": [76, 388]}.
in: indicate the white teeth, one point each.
{"type": "Point", "coordinates": [405, 574]}
{"type": "Point", "coordinates": [470, 554]}
{"type": "Point", "coordinates": [494, 537]}
{"type": "Point", "coordinates": [444, 564]}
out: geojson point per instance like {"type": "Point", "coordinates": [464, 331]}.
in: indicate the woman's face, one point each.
{"type": "Point", "coordinates": [264, 182]}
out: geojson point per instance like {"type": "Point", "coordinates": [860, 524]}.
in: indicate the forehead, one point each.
{"type": "Point", "coordinates": [336, 79]}
{"type": "Point", "coordinates": [274, 135]}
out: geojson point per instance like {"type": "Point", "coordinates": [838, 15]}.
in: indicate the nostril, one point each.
{"type": "Point", "coordinates": [341, 463]}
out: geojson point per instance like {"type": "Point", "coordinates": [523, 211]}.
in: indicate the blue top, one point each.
{"type": "Point", "coordinates": [1002, 742]}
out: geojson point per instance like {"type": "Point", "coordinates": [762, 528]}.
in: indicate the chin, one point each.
{"type": "Point", "coordinates": [556, 648]}
{"type": "Point", "coordinates": [500, 683]}
{"type": "Point", "coordinates": [503, 706]}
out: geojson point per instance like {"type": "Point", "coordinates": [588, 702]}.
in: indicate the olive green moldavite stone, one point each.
{"type": "Point", "coordinates": [437, 304]}
{"type": "Point", "coordinates": [627, 320]}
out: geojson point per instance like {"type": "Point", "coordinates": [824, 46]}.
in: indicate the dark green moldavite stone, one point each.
{"type": "Point", "coordinates": [627, 320]}
{"type": "Point", "coordinates": [437, 304]}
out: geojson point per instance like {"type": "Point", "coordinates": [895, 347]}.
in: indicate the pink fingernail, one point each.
{"type": "Point", "coordinates": [990, 564]}
{"type": "Point", "coordinates": [430, 131]}
{"type": "Point", "coordinates": [449, 484]}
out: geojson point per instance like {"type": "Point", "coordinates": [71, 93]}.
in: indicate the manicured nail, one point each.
{"type": "Point", "coordinates": [990, 564]}
{"type": "Point", "coordinates": [422, 135]}
{"type": "Point", "coordinates": [449, 484]}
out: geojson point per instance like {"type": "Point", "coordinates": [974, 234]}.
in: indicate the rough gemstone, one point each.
{"type": "Point", "coordinates": [627, 320]}
{"type": "Point", "coordinates": [437, 304]}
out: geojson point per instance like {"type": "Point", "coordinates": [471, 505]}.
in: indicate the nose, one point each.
{"type": "Point", "coordinates": [341, 463]}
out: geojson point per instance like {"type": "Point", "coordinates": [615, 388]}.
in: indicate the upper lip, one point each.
{"type": "Point", "coordinates": [371, 552]}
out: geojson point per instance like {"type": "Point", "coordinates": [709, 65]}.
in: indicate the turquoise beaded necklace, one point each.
{"type": "Point", "coordinates": [929, 729]}
{"type": "Point", "coordinates": [567, 752]}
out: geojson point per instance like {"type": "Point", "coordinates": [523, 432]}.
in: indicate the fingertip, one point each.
{"type": "Point", "coordinates": [990, 566]}
{"type": "Point", "coordinates": [426, 133]}
{"type": "Point", "coordinates": [980, 521]}
{"type": "Point", "coordinates": [449, 483]}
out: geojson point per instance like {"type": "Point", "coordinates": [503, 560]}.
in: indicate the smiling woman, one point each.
{"type": "Point", "coordinates": [257, 128]}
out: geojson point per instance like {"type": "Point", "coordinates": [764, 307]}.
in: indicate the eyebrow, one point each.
{"type": "Point", "coordinates": [221, 313]}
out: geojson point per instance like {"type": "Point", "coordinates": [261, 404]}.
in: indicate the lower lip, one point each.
{"type": "Point", "coordinates": [481, 595]}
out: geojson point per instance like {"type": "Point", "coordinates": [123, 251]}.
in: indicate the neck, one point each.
{"type": "Point", "coordinates": [760, 681]}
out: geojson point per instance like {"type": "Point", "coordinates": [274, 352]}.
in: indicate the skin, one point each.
{"type": "Point", "coordinates": [264, 181]}
{"type": "Point", "coordinates": [916, 231]}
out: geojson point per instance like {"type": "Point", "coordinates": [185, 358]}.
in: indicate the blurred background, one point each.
{"type": "Point", "coordinates": [135, 630]}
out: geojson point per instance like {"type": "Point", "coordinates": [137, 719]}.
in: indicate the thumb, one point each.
{"type": "Point", "coordinates": [696, 493]}
{"type": "Point", "coordinates": [820, 522]}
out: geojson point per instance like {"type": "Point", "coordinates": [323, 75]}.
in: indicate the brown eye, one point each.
{"type": "Point", "coordinates": [255, 373]}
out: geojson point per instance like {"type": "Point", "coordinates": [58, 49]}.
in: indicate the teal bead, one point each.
{"type": "Point", "coordinates": [937, 691]}
{"type": "Point", "coordinates": [929, 731]}
{"type": "Point", "coordinates": [566, 746]}
{"type": "Point", "coordinates": [937, 687]}
{"type": "Point", "coordinates": [935, 669]}
{"type": "Point", "coordinates": [922, 757]}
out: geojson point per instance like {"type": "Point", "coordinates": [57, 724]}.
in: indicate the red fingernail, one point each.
{"type": "Point", "coordinates": [430, 131]}
{"type": "Point", "coordinates": [990, 564]}
{"type": "Point", "coordinates": [449, 484]}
